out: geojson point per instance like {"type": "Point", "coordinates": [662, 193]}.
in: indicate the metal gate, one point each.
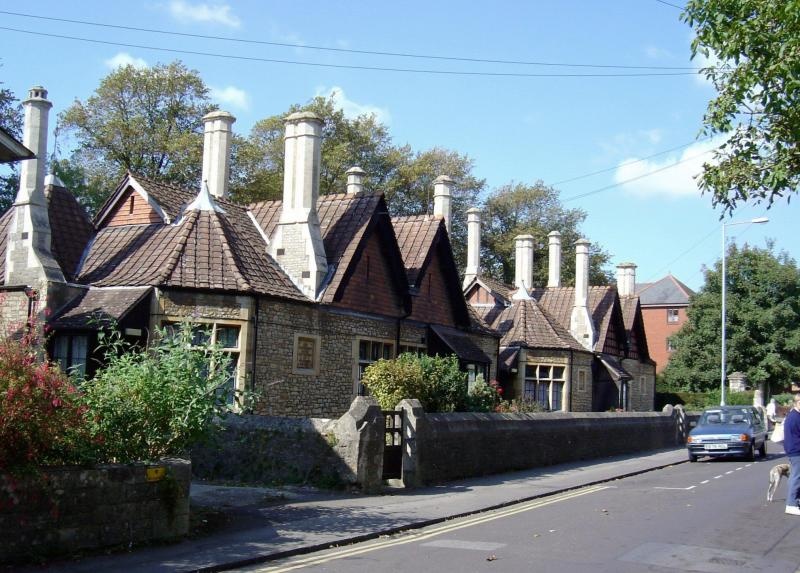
{"type": "Point", "coordinates": [393, 444]}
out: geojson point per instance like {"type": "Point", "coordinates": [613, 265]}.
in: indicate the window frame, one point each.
{"type": "Point", "coordinates": [68, 363]}
{"type": "Point", "coordinates": [358, 371]}
{"type": "Point", "coordinates": [673, 315]}
{"type": "Point", "coordinates": [540, 384]}
{"type": "Point", "coordinates": [314, 370]}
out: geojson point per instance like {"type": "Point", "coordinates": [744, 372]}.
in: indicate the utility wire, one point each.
{"type": "Point", "coordinates": [347, 67]}
{"type": "Point", "coordinates": [344, 50]}
{"type": "Point", "coordinates": [637, 178]}
{"type": "Point", "coordinates": [670, 4]}
{"type": "Point", "coordinates": [626, 163]}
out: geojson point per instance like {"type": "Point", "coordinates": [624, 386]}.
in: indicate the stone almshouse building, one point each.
{"type": "Point", "coordinates": [304, 293]}
{"type": "Point", "coordinates": [574, 349]}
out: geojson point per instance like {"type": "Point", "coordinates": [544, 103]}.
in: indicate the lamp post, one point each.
{"type": "Point", "coordinates": [723, 372]}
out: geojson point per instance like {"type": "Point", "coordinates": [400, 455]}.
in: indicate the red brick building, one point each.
{"type": "Point", "coordinates": [664, 305]}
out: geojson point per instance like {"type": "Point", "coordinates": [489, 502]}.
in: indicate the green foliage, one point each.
{"type": "Point", "coordinates": [483, 396]}
{"type": "Point", "coordinates": [702, 400]}
{"type": "Point", "coordinates": [763, 311]}
{"type": "Point", "coordinates": [784, 399]}
{"type": "Point", "coordinates": [435, 381]}
{"type": "Point", "coordinates": [519, 406]}
{"type": "Point", "coordinates": [519, 209]}
{"type": "Point", "coordinates": [41, 414]}
{"type": "Point", "coordinates": [754, 46]}
{"type": "Point", "coordinates": [148, 121]}
{"type": "Point", "coordinates": [11, 121]}
{"type": "Point", "coordinates": [146, 404]}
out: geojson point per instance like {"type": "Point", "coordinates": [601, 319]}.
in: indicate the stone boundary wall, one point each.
{"type": "Point", "coordinates": [443, 447]}
{"type": "Point", "coordinates": [63, 510]}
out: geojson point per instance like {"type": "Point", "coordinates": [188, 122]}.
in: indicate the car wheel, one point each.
{"type": "Point", "coordinates": [692, 458]}
{"type": "Point", "coordinates": [762, 451]}
{"type": "Point", "coordinates": [751, 452]}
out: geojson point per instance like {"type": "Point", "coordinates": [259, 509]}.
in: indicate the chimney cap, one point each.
{"type": "Point", "coordinates": [626, 265]}
{"type": "Point", "coordinates": [299, 116]}
{"type": "Point", "coordinates": [37, 93]}
{"type": "Point", "coordinates": [219, 114]}
{"type": "Point", "coordinates": [524, 238]}
{"type": "Point", "coordinates": [444, 179]}
{"type": "Point", "coordinates": [355, 170]}
{"type": "Point", "coordinates": [473, 210]}
{"type": "Point", "coordinates": [554, 234]}
{"type": "Point", "coordinates": [582, 242]}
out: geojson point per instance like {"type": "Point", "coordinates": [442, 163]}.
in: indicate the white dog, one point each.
{"type": "Point", "coordinates": [775, 475]}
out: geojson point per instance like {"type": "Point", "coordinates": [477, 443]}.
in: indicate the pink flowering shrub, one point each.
{"type": "Point", "coordinates": [41, 412]}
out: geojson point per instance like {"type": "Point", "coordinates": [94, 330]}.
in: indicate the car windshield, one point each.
{"type": "Point", "coordinates": [724, 417]}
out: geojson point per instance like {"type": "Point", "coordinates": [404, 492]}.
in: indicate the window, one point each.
{"type": "Point", "coordinates": [412, 349]}
{"type": "Point", "coordinates": [545, 384]}
{"type": "Point", "coordinates": [69, 350]}
{"type": "Point", "coordinates": [306, 354]}
{"type": "Point", "coordinates": [227, 336]}
{"type": "Point", "coordinates": [370, 351]}
{"type": "Point", "coordinates": [672, 315]}
{"type": "Point", "coordinates": [670, 346]}
{"type": "Point", "coordinates": [581, 380]}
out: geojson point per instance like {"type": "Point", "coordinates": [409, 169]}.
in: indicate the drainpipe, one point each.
{"type": "Point", "coordinates": [255, 349]}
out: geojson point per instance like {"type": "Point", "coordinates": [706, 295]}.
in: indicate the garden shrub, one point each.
{"type": "Point", "coordinates": [519, 406]}
{"type": "Point", "coordinates": [436, 381]}
{"type": "Point", "coordinates": [41, 412]}
{"type": "Point", "coordinates": [146, 404]}
{"type": "Point", "coordinates": [484, 397]}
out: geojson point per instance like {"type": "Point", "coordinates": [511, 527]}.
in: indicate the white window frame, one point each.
{"type": "Point", "coordinates": [673, 315]}
{"type": "Point", "coordinates": [540, 386]}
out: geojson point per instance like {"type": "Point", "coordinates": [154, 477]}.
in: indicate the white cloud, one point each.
{"type": "Point", "coordinates": [232, 96]}
{"type": "Point", "coordinates": [215, 13]}
{"type": "Point", "coordinates": [658, 177]}
{"type": "Point", "coordinates": [353, 109]}
{"type": "Point", "coordinates": [656, 53]}
{"type": "Point", "coordinates": [123, 59]}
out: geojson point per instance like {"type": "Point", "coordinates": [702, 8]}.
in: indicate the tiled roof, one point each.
{"type": "Point", "coordinates": [415, 236]}
{"type": "Point", "coordinates": [478, 324]}
{"type": "Point", "coordinates": [525, 323]}
{"type": "Point", "coordinates": [70, 227]}
{"type": "Point", "coordinates": [630, 304]}
{"type": "Point", "coordinates": [344, 219]}
{"type": "Point", "coordinates": [98, 305]}
{"type": "Point", "coordinates": [497, 287]}
{"type": "Point", "coordinates": [460, 344]}
{"type": "Point", "coordinates": [70, 230]}
{"type": "Point", "coordinates": [204, 250]}
{"type": "Point", "coordinates": [170, 198]}
{"type": "Point", "coordinates": [666, 291]}
{"type": "Point", "coordinates": [558, 302]}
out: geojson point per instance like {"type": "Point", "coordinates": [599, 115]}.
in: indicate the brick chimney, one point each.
{"type": "Point", "coordinates": [580, 324]}
{"type": "Point", "coordinates": [626, 279]}
{"type": "Point", "coordinates": [554, 260]}
{"type": "Point", "coordinates": [297, 245]}
{"type": "Point", "coordinates": [523, 266]}
{"type": "Point", "coordinates": [442, 196]}
{"type": "Point", "coordinates": [217, 152]}
{"type": "Point", "coordinates": [355, 180]}
{"type": "Point", "coordinates": [29, 259]}
{"type": "Point", "coordinates": [473, 245]}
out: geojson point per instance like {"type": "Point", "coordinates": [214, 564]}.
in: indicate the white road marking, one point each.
{"type": "Point", "coordinates": [728, 473]}
{"type": "Point", "coordinates": [717, 477]}
{"type": "Point", "coordinates": [457, 544]}
{"type": "Point", "coordinates": [705, 481]}
{"type": "Point", "coordinates": [680, 488]}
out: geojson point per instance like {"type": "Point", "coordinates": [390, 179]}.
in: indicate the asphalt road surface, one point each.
{"type": "Point", "coordinates": [711, 516]}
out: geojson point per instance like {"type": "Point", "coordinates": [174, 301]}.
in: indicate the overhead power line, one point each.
{"type": "Point", "coordinates": [345, 66]}
{"type": "Point", "coordinates": [670, 4]}
{"type": "Point", "coordinates": [346, 50]}
{"type": "Point", "coordinates": [626, 163]}
{"type": "Point", "coordinates": [637, 178]}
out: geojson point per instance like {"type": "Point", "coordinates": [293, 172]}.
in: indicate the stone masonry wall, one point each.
{"type": "Point", "coordinates": [63, 510]}
{"type": "Point", "coordinates": [642, 386]}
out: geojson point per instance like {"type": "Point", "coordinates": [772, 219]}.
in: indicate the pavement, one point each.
{"type": "Point", "coordinates": [239, 526]}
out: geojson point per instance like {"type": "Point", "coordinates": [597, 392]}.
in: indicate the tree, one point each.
{"type": "Point", "coordinates": [757, 45]}
{"type": "Point", "coordinates": [146, 120]}
{"type": "Point", "coordinates": [11, 121]}
{"type": "Point", "coordinates": [763, 311]}
{"type": "Point", "coordinates": [519, 209]}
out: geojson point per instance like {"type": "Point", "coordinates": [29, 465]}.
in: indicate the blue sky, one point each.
{"type": "Point", "coordinates": [515, 127]}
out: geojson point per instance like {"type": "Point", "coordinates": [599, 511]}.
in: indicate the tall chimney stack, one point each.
{"type": "Point", "coordinates": [554, 260]}
{"type": "Point", "coordinates": [29, 258]}
{"type": "Point", "coordinates": [626, 279]}
{"type": "Point", "coordinates": [217, 152]}
{"type": "Point", "coordinates": [442, 196]}
{"type": "Point", "coordinates": [355, 180]}
{"type": "Point", "coordinates": [523, 266]}
{"type": "Point", "coordinates": [297, 244]}
{"type": "Point", "coordinates": [473, 245]}
{"type": "Point", "coordinates": [580, 324]}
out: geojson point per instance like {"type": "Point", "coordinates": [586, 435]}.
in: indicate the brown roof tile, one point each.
{"type": "Point", "coordinates": [558, 302]}
{"type": "Point", "coordinates": [415, 236]}
{"type": "Point", "coordinates": [97, 305]}
{"type": "Point", "coordinates": [525, 323]}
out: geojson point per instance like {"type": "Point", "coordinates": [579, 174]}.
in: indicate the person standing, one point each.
{"type": "Point", "coordinates": [791, 445]}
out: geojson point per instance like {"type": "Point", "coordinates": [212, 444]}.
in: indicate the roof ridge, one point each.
{"type": "Point", "coordinates": [241, 281]}
{"type": "Point", "coordinates": [189, 222]}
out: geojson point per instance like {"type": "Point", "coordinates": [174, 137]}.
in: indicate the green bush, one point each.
{"type": "Point", "coordinates": [784, 399]}
{"type": "Point", "coordinates": [702, 400]}
{"type": "Point", "coordinates": [146, 404]}
{"type": "Point", "coordinates": [435, 381]}
{"type": "Point", "coordinates": [484, 397]}
{"type": "Point", "coordinates": [519, 406]}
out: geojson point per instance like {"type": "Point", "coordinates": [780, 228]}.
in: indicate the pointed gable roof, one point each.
{"type": "Point", "coordinates": [166, 200]}
{"type": "Point", "coordinates": [526, 323]}
{"type": "Point", "coordinates": [210, 246]}
{"type": "Point", "coordinates": [666, 291]}
{"type": "Point", "coordinates": [346, 222]}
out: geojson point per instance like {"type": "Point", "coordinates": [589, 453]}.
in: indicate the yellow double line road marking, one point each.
{"type": "Point", "coordinates": [433, 531]}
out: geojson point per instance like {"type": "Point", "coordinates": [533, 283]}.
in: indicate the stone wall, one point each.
{"type": "Point", "coordinates": [642, 386]}
{"type": "Point", "coordinates": [64, 510]}
{"type": "Point", "coordinates": [452, 446]}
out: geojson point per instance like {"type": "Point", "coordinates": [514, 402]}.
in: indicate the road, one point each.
{"type": "Point", "coordinates": [711, 516]}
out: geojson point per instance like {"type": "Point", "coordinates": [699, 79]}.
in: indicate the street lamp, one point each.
{"type": "Point", "coordinates": [756, 221]}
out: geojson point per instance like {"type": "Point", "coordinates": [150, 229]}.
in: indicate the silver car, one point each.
{"type": "Point", "coordinates": [728, 431]}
